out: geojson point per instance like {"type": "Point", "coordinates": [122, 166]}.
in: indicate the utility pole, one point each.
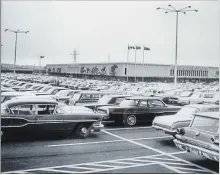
{"type": "Point", "coordinates": [74, 54]}
{"type": "Point", "coordinates": [177, 11]}
{"type": "Point", "coordinates": [16, 37]}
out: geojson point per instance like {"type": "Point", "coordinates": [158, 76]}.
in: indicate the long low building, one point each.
{"type": "Point", "coordinates": [140, 71]}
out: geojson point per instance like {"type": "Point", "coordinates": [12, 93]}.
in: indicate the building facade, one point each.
{"type": "Point", "coordinates": [140, 71]}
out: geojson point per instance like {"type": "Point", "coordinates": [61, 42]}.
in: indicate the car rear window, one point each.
{"type": "Point", "coordinates": [206, 124]}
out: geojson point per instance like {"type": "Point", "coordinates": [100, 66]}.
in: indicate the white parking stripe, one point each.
{"type": "Point", "coordinates": [110, 141]}
{"type": "Point", "coordinates": [184, 168]}
{"type": "Point", "coordinates": [59, 171]}
{"type": "Point", "coordinates": [115, 129]}
{"type": "Point", "coordinates": [156, 150]}
{"type": "Point", "coordinates": [110, 169]}
{"type": "Point", "coordinates": [105, 161]}
{"type": "Point", "coordinates": [171, 168]}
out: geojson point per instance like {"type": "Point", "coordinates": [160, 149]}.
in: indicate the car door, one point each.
{"type": "Point", "coordinates": [143, 112]}
{"type": "Point", "coordinates": [46, 120]}
{"type": "Point", "coordinates": [156, 107]}
{"type": "Point", "coordinates": [22, 118]}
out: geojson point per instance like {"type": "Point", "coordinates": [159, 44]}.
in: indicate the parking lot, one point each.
{"type": "Point", "coordinates": [116, 149]}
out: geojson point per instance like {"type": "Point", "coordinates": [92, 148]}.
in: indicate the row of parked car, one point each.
{"type": "Point", "coordinates": [39, 108]}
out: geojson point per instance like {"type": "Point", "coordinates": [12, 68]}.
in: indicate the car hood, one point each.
{"type": "Point", "coordinates": [170, 120]}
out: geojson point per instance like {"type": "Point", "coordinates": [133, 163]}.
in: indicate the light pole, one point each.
{"type": "Point", "coordinates": [41, 57]}
{"type": "Point", "coordinates": [177, 11]}
{"type": "Point", "coordinates": [16, 37]}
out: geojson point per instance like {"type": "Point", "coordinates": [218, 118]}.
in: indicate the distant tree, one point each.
{"type": "Point", "coordinates": [53, 69]}
{"type": "Point", "coordinates": [103, 71]}
{"type": "Point", "coordinates": [112, 70]}
{"type": "Point", "coordinates": [88, 71]}
{"type": "Point", "coordinates": [82, 70]}
{"type": "Point", "coordinates": [95, 71]}
{"type": "Point", "coordinates": [49, 70]}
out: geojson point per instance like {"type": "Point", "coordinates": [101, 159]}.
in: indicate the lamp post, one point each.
{"type": "Point", "coordinates": [41, 57]}
{"type": "Point", "coordinates": [16, 37]}
{"type": "Point", "coordinates": [177, 11]}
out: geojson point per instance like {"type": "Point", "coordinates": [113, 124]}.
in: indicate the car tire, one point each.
{"type": "Point", "coordinates": [130, 120]}
{"type": "Point", "coordinates": [82, 131]}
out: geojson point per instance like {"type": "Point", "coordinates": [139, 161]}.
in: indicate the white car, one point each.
{"type": "Point", "coordinates": [170, 123]}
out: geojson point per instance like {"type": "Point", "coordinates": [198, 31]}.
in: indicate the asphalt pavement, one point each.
{"type": "Point", "coordinates": [116, 149]}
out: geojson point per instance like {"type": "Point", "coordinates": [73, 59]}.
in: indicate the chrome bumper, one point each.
{"type": "Point", "coordinates": [166, 130]}
{"type": "Point", "coordinates": [209, 154]}
{"type": "Point", "coordinates": [96, 127]}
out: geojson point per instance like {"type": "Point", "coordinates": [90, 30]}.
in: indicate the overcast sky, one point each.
{"type": "Point", "coordinates": [97, 29]}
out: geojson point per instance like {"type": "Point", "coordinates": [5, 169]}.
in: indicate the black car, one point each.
{"type": "Point", "coordinates": [107, 100]}
{"type": "Point", "coordinates": [136, 109]}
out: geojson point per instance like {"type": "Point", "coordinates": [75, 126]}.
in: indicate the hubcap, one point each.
{"type": "Point", "coordinates": [131, 120]}
{"type": "Point", "coordinates": [84, 130]}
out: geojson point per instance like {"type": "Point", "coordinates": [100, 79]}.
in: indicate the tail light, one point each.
{"type": "Point", "coordinates": [181, 131]}
{"type": "Point", "coordinates": [215, 140]}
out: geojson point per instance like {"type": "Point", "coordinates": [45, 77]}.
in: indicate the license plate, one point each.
{"type": "Point", "coordinates": [195, 151]}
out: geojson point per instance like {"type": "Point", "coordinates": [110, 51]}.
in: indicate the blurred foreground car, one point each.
{"type": "Point", "coordinates": [46, 116]}
{"type": "Point", "coordinates": [202, 136]}
{"type": "Point", "coordinates": [136, 109]}
{"type": "Point", "coordinates": [170, 123]}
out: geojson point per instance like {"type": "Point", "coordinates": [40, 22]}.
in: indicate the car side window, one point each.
{"type": "Point", "coordinates": [46, 109]}
{"type": "Point", "coordinates": [155, 103]}
{"type": "Point", "coordinates": [143, 103]}
{"type": "Point", "coordinates": [119, 100]}
{"type": "Point", "coordinates": [55, 91]}
{"type": "Point", "coordinates": [59, 110]}
{"type": "Point", "coordinates": [23, 110]}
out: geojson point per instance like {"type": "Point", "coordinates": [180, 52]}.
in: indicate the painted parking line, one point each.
{"type": "Point", "coordinates": [141, 127]}
{"type": "Point", "coordinates": [108, 141]}
{"type": "Point", "coordinates": [161, 152]}
{"type": "Point", "coordinates": [99, 166]}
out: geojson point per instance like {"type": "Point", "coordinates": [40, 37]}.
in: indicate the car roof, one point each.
{"type": "Point", "coordinates": [118, 95]}
{"type": "Point", "coordinates": [15, 93]}
{"type": "Point", "coordinates": [208, 114]}
{"type": "Point", "coordinates": [21, 101]}
{"type": "Point", "coordinates": [94, 92]}
{"type": "Point", "coordinates": [142, 98]}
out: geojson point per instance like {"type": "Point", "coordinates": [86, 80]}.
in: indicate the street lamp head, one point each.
{"type": "Point", "coordinates": [189, 6]}
{"type": "Point", "coordinates": [27, 32]}
{"type": "Point", "coordinates": [166, 12]}
{"type": "Point", "coordinates": [158, 8]}
{"type": "Point", "coordinates": [184, 12]}
{"type": "Point", "coordinates": [6, 30]}
{"type": "Point", "coordinates": [196, 10]}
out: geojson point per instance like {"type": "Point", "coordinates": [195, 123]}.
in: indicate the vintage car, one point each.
{"type": "Point", "coordinates": [5, 96]}
{"type": "Point", "coordinates": [170, 123]}
{"type": "Point", "coordinates": [86, 97]}
{"type": "Point", "coordinates": [202, 136]}
{"type": "Point", "coordinates": [136, 109]}
{"type": "Point", "coordinates": [46, 116]}
{"type": "Point", "coordinates": [107, 100]}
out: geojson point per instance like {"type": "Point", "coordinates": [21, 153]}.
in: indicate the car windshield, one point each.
{"type": "Point", "coordinates": [128, 103]}
{"type": "Point", "coordinates": [62, 93]}
{"type": "Point", "coordinates": [206, 124]}
{"type": "Point", "coordinates": [186, 94]}
{"type": "Point", "coordinates": [76, 97]}
{"type": "Point", "coordinates": [186, 110]}
{"type": "Point", "coordinates": [4, 109]}
{"type": "Point", "coordinates": [104, 100]}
